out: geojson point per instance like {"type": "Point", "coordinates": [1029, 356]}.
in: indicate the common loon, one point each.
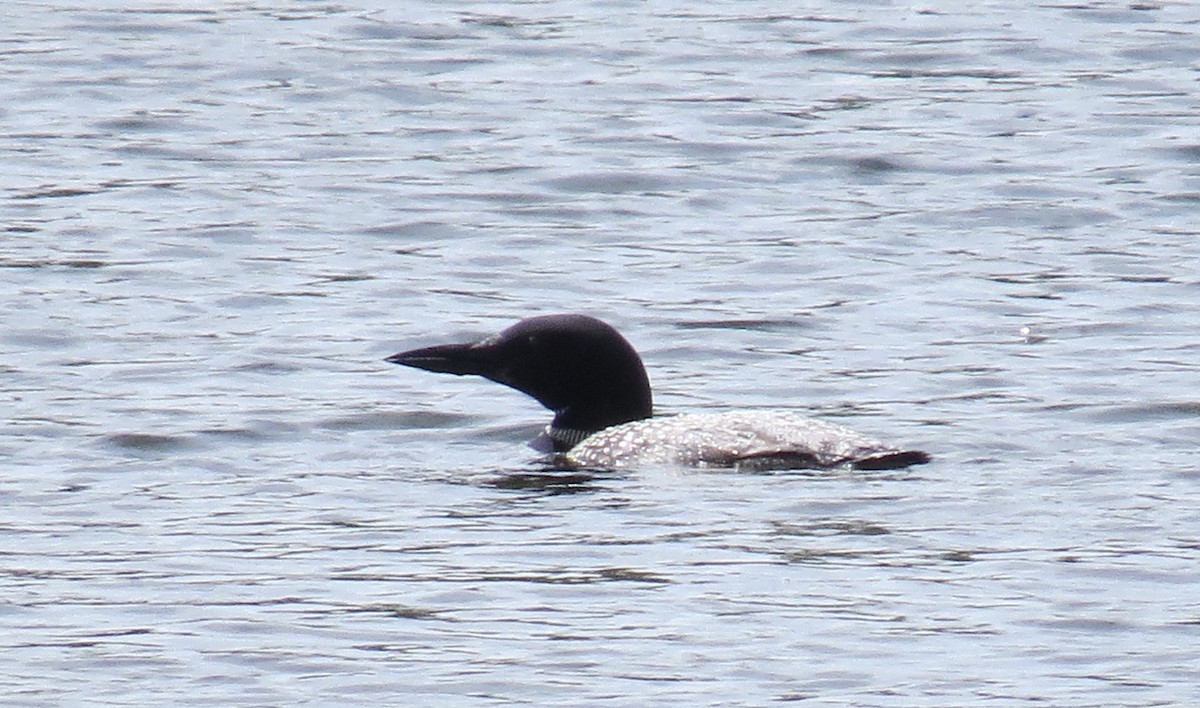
{"type": "Point", "coordinates": [594, 381]}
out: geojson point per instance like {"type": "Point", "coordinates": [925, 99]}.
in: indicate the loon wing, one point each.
{"type": "Point", "coordinates": [752, 439]}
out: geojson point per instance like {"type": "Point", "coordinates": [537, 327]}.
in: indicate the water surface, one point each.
{"type": "Point", "coordinates": [966, 229]}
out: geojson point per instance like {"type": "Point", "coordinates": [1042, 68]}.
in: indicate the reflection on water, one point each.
{"type": "Point", "coordinates": [553, 481]}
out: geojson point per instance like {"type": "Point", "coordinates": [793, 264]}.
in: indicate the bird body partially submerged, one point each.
{"type": "Point", "coordinates": [594, 381]}
{"type": "Point", "coordinates": [754, 439]}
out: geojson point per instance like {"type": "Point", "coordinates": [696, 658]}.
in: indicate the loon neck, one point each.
{"type": "Point", "coordinates": [554, 439]}
{"type": "Point", "coordinates": [581, 420]}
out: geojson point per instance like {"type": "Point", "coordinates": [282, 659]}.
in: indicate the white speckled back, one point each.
{"type": "Point", "coordinates": [726, 439]}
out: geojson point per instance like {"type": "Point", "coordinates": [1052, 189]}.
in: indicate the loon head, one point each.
{"type": "Point", "coordinates": [575, 365]}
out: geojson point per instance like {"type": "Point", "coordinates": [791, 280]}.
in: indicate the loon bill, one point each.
{"type": "Point", "coordinates": [594, 381]}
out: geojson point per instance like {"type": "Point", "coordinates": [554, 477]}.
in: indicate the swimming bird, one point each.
{"type": "Point", "coordinates": [594, 381]}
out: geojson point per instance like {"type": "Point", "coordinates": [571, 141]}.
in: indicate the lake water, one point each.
{"type": "Point", "coordinates": [970, 228]}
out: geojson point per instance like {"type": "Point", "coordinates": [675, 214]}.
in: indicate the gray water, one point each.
{"type": "Point", "coordinates": [965, 227]}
